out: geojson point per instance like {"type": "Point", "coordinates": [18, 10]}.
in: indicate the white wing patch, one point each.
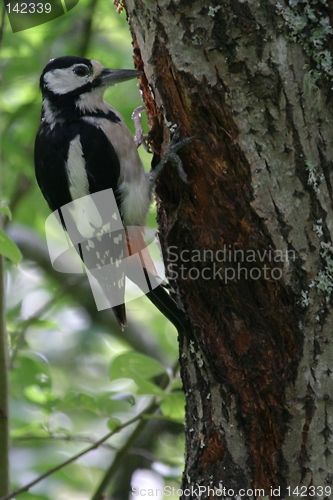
{"type": "Point", "coordinates": [76, 170]}
{"type": "Point", "coordinates": [84, 211]}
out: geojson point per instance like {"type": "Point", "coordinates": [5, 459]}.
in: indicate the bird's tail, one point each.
{"type": "Point", "coordinates": [120, 314]}
{"type": "Point", "coordinates": [166, 305]}
{"type": "Point", "coordinates": [151, 284]}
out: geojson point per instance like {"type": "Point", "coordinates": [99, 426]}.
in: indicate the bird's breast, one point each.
{"type": "Point", "coordinates": [133, 185]}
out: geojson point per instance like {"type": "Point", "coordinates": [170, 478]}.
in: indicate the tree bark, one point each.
{"type": "Point", "coordinates": [247, 245]}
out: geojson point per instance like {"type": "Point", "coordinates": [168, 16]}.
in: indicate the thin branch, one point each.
{"type": "Point", "coordinates": [165, 383]}
{"type": "Point", "coordinates": [81, 439]}
{"type": "Point", "coordinates": [2, 23]}
{"type": "Point", "coordinates": [4, 417]}
{"type": "Point", "coordinates": [34, 248]}
{"type": "Point", "coordinates": [99, 494]}
{"type": "Point", "coordinates": [98, 443]}
{"type": "Point", "coordinates": [4, 386]}
{"type": "Point", "coordinates": [59, 437]}
{"type": "Point", "coordinates": [87, 29]}
{"type": "Point", "coordinates": [141, 418]}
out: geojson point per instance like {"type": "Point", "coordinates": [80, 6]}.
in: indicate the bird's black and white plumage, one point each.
{"type": "Point", "coordinates": [84, 147]}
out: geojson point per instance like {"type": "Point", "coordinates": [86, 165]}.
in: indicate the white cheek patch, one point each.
{"type": "Point", "coordinates": [62, 81]}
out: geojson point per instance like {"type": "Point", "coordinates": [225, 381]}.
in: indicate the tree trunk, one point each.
{"type": "Point", "coordinates": [247, 245]}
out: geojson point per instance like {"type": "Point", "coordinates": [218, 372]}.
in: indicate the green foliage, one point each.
{"type": "Point", "coordinates": [172, 406]}
{"type": "Point", "coordinates": [73, 378]}
{"type": "Point", "coordinates": [7, 246]}
{"type": "Point", "coordinates": [9, 249]}
{"type": "Point", "coordinates": [135, 366]}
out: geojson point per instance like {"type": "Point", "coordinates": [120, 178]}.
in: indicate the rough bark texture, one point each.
{"type": "Point", "coordinates": [256, 367]}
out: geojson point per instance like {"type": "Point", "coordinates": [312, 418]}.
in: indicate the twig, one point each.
{"type": "Point", "coordinates": [2, 23]}
{"type": "Point", "coordinates": [99, 494]}
{"type": "Point", "coordinates": [4, 418]}
{"type": "Point", "coordinates": [81, 439]}
{"type": "Point", "coordinates": [34, 248]}
{"type": "Point", "coordinates": [165, 383]}
{"type": "Point", "coordinates": [87, 29]}
{"type": "Point", "coordinates": [4, 386]}
{"type": "Point", "coordinates": [98, 443]}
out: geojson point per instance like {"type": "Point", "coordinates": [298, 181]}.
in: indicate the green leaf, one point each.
{"type": "Point", "coordinates": [173, 406]}
{"type": "Point", "coordinates": [132, 365]}
{"type": "Point", "coordinates": [30, 370]}
{"type": "Point", "coordinates": [9, 249]}
{"type": "Point", "coordinates": [40, 396]}
{"type": "Point", "coordinates": [44, 324]}
{"type": "Point", "coordinates": [79, 401]}
{"type": "Point", "coordinates": [177, 384]}
{"type": "Point", "coordinates": [110, 403]}
{"type": "Point", "coordinates": [125, 396]}
{"type": "Point", "coordinates": [113, 424]}
{"type": "Point", "coordinates": [35, 497]}
{"type": "Point", "coordinates": [145, 387]}
{"type": "Point", "coordinates": [4, 209]}
{"type": "Point", "coordinates": [34, 429]}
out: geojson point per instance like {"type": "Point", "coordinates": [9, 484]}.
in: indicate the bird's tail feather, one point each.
{"type": "Point", "coordinates": [120, 314]}
{"type": "Point", "coordinates": [165, 304]}
{"type": "Point", "coordinates": [136, 247]}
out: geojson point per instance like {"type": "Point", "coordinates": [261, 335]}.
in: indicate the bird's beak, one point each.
{"type": "Point", "coordinates": [112, 76]}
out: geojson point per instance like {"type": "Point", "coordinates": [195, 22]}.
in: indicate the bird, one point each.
{"type": "Point", "coordinates": [83, 149]}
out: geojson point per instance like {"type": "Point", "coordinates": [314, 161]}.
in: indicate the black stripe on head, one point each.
{"type": "Point", "coordinates": [64, 105]}
{"type": "Point", "coordinates": [61, 63]}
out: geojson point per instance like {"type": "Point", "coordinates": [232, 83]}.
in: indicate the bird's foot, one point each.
{"type": "Point", "coordinates": [171, 156]}
{"type": "Point", "coordinates": [140, 138]}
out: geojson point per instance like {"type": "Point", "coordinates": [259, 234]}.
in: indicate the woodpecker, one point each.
{"type": "Point", "coordinates": [83, 147]}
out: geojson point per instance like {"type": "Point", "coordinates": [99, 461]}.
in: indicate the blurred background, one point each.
{"type": "Point", "coordinates": [74, 375]}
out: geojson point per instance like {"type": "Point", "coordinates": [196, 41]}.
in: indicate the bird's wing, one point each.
{"type": "Point", "coordinates": [79, 162]}
{"type": "Point", "coordinates": [104, 251]}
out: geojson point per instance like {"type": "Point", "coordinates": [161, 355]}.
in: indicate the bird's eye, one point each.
{"type": "Point", "coordinates": [81, 70]}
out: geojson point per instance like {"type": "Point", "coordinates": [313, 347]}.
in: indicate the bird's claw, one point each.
{"type": "Point", "coordinates": [140, 138]}
{"type": "Point", "coordinates": [171, 156]}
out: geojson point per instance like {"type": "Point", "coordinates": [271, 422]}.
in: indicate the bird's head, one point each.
{"type": "Point", "coordinates": [75, 81]}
